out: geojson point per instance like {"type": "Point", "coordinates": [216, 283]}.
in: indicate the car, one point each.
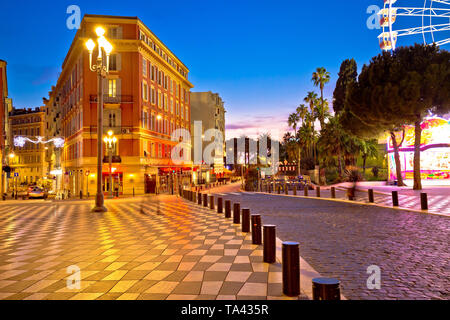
{"type": "Point", "coordinates": [36, 192]}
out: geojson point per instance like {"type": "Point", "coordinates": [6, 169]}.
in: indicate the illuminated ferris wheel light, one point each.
{"type": "Point", "coordinates": [435, 22]}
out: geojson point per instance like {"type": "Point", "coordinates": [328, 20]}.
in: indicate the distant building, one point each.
{"type": "Point", "coordinates": [28, 162]}
{"type": "Point", "coordinates": [5, 108]}
{"type": "Point", "coordinates": [209, 108]}
{"type": "Point", "coordinates": [146, 98]}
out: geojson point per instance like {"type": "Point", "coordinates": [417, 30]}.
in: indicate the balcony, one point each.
{"type": "Point", "coordinates": [115, 159]}
{"type": "Point", "coordinates": [113, 100]}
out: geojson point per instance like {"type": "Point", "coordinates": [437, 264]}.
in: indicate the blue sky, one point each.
{"type": "Point", "coordinates": [259, 55]}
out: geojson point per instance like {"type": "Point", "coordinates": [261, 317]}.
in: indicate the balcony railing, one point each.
{"type": "Point", "coordinates": [117, 99]}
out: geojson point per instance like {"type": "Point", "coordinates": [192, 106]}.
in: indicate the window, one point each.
{"type": "Point", "coordinates": [113, 33]}
{"type": "Point", "coordinates": [159, 150]}
{"type": "Point", "coordinates": [144, 66]}
{"type": "Point", "coordinates": [153, 95]}
{"type": "Point", "coordinates": [144, 91]}
{"type": "Point", "coordinates": [159, 99]}
{"type": "Point", "coordinates": [144, 119]}
{"type": "Point", "coordinates": [113, 62]}
{"type": "Point", "coordinates": [182, 112]}
{"type": "Point", "coordinates": [112, 88]}
{"type": "Point", "coordinates": [178, 109]}
{"type": "Point", "coordinates": [152, 121]}
{"type": "Point", "coordinates": [166, 105]}
{"type": "Point", "coordinates": [152, 150]}
{"type": "Point", "coordinates": [171, 105]}
{"type": "Point", "coordinates": [186, 112]}
{"type": "Point", "coordinates": [153, 71]}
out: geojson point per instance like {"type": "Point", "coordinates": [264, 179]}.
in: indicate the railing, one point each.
{"type": "Point", "coordinates": [117, 99]}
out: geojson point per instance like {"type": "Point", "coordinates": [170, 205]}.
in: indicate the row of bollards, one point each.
{"type": "Point", "coordinates": [323, 288]}
{"type": "Point", "coordinates": [370, 192]}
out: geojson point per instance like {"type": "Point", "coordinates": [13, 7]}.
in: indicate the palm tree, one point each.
{"type": "Point", "coordinates": [320, 78]}
{"type": "Point", "coordinates": [311, 99]}
{"type": "Point", "coordinates": [368, 149]}
{"type": "Point", "coordinates": [293, 120]}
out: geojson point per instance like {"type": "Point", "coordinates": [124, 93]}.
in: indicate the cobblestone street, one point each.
{"type": "Point", "coordinates": [342, 239]}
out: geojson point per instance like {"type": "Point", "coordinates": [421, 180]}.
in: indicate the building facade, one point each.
{"type": "Point", "coordinates": [5, 109]}
{"type": "Point", "coordinates": [146, 97]}
{"type": "Point", "coordinates": [28, 160]}
{"type": "Point", "coordinates": [209, 108]}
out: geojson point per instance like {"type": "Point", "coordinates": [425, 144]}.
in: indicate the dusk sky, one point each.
{"type": "Point", "coordinates": [258, 55]}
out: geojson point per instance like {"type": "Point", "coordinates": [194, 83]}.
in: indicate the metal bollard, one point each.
{"type": "Point", "coordinates": [318, 192]}
{"type": "Point", "coordinates": [371, 198]}
{"type": "Point", "coordinates": [236, 213]}
{"type": "Point", "coordinates": [326, 289]}
{"type": "Point", "coordinates": [256, 229]}
{"type": "Point", "coordinates": [219, 205]}
{"type": "Point", "coordinates": [269, 250]}
{"type": "Point", "coordinates": [227, 209]}
{"type": "Point", "coordinates": [291, 268]}
{"type": "Point", "coordinates": [295, 190]}
{"type": "Point", "coordinates": [286, 191]}
{"type": "Point", "coordinates": [333, 192]}
{"type": "Point", "coordinates": [245, 226]}
{"type": "Point", "coordinates": [205, 200]}
{"type": "Point", "coordinates": [211, 202]}
{"type": "Point", "coordinates": [423, 201]}
{"type": "Point", "coordinates": [133, 192]}
{"type": "Point", "coordinates": [81, 194]}
{"type": "Point", "coordinates": [305, 191]}
{"type": "Point", "coordinates": [199, 198]}
{"type": "Point", "coordinates": [395, 198]}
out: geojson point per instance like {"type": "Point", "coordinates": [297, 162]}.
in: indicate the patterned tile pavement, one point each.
{"type": "Point", "coordinates": [154, 248]}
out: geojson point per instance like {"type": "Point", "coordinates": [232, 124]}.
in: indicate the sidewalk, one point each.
{"type": "Point", "coordinates": [161, 247]}
{"type": "Point", "coordinates": [438, 197]}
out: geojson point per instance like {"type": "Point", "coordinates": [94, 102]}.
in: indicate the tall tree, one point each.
{"type": "Point", "coordinates": [321, 77]}
{"type": "Point", "coordinates": [423, 88]}
{"type": "Point", "coordinates": [312, 100]}
{"type": "Point", "coordinates": [293, 120]}
{"type": "Point", "coordinates": [372, 104]}
{"type": "Point", "coordinates": [348, 73]}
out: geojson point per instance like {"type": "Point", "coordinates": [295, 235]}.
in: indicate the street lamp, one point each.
{"type": "Point", "coordinates": [110, 140]}
{"type": "Point", "coordinates": [102, 68]}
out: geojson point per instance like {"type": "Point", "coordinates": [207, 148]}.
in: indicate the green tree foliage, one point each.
{"type": "Point", "coordinates": [398, 89]}
{"type": "Point", "coordinates": [347, 74]}
{"type": "Point", "coordinates": [321, 77]}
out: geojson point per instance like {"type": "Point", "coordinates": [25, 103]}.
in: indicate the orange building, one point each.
{"type": "Point", "coordinates": [146, 97]}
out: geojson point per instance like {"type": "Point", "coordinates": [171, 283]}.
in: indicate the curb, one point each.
{"type": "Point", "coordinates": [360, 203]}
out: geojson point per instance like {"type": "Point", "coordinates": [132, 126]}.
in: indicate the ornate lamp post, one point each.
{"type": "Point", "coordinates": [102, 68]}
{"type": "Point", "coordinates": [110, 140]}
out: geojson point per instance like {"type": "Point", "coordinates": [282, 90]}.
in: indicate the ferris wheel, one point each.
{"type": "Point", "coordinates": [430, 21]}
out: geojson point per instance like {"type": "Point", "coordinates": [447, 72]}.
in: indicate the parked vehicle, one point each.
{"type": "Point", "coordinates": [36, 193]}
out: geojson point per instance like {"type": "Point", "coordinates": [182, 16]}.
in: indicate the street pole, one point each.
{"type": "Point", "coordinates": [99, 198]}
{"type": "Point", "coordinates": [110, 172]}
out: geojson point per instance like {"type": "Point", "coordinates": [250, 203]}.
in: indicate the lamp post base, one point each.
{"type": "Point", "coordinates": [99, 209]}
